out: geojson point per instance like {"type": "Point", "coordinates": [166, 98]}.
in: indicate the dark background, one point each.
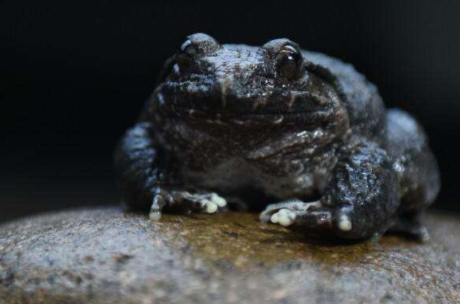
{"type": "Point", "coordinates": [74, 76]}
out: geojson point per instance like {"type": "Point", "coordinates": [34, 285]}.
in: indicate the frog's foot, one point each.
{"type": "Point", "coordinates": [412, 228]}
{"type": "Point", "coordinates": [282, 213]}
{"type": "Point", "coordinates": [298, 213]}
{"type": "Point", "coordinates": [185, 202]}
{"type": "Point", "coordinates": [421, 233]}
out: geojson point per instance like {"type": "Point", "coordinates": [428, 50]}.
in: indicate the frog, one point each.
{"type": "Point", "coordinates": [298, 136]}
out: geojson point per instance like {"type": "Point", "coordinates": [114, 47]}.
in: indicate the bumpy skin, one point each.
{"type": "Point", "coordinates": [298, 133]}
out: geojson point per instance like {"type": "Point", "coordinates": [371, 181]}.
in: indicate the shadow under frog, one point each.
{"type": "Point", "coordinates": [299, 134]}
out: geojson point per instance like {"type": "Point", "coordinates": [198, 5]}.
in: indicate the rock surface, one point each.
{"type": "Point", "coordinates": [103, 255]}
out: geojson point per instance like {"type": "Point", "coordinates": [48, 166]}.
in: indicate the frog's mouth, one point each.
{"type": "Point", "coordinates": [274, 106]}
{"type": "Point", "coordinates": [247, 118]}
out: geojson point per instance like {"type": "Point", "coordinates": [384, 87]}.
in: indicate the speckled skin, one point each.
{"type": "Point", "coordinates": [276, 124]}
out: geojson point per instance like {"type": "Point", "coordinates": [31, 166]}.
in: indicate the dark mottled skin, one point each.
{"type": "Point", "coordinates": [276, 124]}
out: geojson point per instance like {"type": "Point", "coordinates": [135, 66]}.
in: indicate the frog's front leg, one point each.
{"type": "Point", "coordinates": [182, 201]}
{"type": "Point", "coordinates": [147, 180]}
{"type": "Point", "coordinates": [360, 200]}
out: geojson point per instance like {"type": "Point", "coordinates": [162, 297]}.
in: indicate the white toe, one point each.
{"type": "Point", "coordinates": [155, 216]}
{"type": "Point", "coordinates": [274, 218]}
{"type": "Point", "coordinates": [285, 222]}
{"type": "Point", "coordinates": [284, 217]}
{"type": "Point", "coordinates": [211, 207]}
{"type": "Point", "coordinates": [219, 201]}
{"type": "Point", "coordinates": [425, 237]}
{"type": "Point", "coordinates": [345, 223]}
{"type": "Point", "coordinates": [287, 218]}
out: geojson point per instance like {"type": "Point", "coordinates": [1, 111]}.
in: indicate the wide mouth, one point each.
{"type": "Point", "coordinates": [223, 114]}
{"type": "Point", "coordinates": [262, 105]}
{"type": "Point", "coordinates": [245, 118]}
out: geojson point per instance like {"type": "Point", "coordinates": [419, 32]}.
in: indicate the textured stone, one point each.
{"type": "Point", "coordinates": [105, 256]}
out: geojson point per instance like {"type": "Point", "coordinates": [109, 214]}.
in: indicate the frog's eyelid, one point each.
{"type": "Point", "coordinates": [274, 47]}
{"type": "Point", "coordinates": [289, 48]}
{"type": "Point", "coordinates": [185, 45]}
{"type": "Point", "coordinates": [203, 43]}
{"type": "Point", "coordinates": [291, 45]}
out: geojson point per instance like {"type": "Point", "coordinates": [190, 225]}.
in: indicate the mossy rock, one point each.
{"type": "Point", "coordinates": [104, 255]}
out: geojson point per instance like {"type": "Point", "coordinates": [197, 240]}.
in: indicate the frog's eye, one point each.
{"type": "Point", "coordinates": [290, 62]}
{"type": "Point", "coordinates": [186, 55]}
{"type": "Point", "coordinates": [195, 46]}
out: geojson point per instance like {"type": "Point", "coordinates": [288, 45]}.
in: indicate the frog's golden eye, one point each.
{"type": "Point", "coordinates": [290, 62]}
{"type": "Point", "coordinates": [186, 55]}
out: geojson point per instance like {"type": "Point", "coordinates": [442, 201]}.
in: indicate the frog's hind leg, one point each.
{"type": "Point", "coordinates": [417, 170]}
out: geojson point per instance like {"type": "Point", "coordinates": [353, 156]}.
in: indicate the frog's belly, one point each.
{"type": "Point", "coordinates": [238, 178]}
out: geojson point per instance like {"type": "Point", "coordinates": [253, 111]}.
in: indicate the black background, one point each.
{"type": "Point", "coordinates": [75, 74]}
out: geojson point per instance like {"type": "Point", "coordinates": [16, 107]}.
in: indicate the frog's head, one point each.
{"type": "Point", "coordinates": [242, 84]}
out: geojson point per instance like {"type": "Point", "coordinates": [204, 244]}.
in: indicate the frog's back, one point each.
{"type": "Point", "coordinates": [365, 106]}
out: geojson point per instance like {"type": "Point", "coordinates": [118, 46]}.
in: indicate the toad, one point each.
{"type": "Point", "coordinates": [298, 135]}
